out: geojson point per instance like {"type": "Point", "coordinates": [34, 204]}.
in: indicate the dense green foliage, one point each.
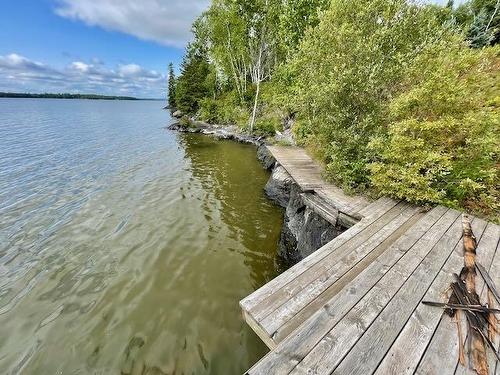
{"type": "Point", "coordinates": [342, 91]}
{"type": "Point", "coordinates": [481, 21]}
{"type": "Point", "coordinates": [443, 141]}
{"type": "Point", "coordinates": [193, 84]}
{"type": "Point", "coordinates": [397, 98]}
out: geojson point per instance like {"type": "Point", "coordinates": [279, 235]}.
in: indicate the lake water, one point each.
{"type": "Point", "coordinates": [124, 247]}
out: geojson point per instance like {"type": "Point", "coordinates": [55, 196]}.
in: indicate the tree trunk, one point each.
{"type": "Point", "coordinates": [254, 113]}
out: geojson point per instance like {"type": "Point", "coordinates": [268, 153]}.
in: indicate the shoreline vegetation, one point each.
{"type": "Point", "coordinates": [394, 97]}
{"type": "Point", "coordinates": [66, 96]}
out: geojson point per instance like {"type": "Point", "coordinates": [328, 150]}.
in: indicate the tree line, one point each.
{"type": "Point", "coordinates": [396, 97]}
{"type": "Point", "coordinates": [64, 96]}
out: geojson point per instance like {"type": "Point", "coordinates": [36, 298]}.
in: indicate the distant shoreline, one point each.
{"type": "Point", "coordinates": [67, 96]}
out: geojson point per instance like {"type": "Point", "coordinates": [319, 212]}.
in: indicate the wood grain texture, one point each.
{"type": "Point", "coordinates": [360, 255]}
{"type": "Point", "coordinates": [367, 353]}
{"type": "Point", "coordinates": [393, 290]}
{"type": "Point", "coordinates": [320, 261]}
{"type": "Point", "coordinates": [300, 343]}
{"type": "Point", "coordinates": [441, 355]}
{"type": "Point", "coordinates": [354, 306]}
{"type": "Point", "coordinates": [377, 209]}
{"type": "Point", "coordinates": [419, 329]}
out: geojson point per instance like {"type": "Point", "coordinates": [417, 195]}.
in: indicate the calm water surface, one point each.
{"type": "Point", "coordinates": [125, 248]}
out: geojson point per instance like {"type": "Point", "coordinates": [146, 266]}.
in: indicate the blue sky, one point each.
{"type": "Point", "coordinates": [96, 46]}
{"type": "Point", "coordinates": [116, 47]}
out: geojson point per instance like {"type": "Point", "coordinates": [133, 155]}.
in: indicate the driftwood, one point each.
{"type": "Point", "coordinates": [489, 282]}
{"type": "Point", "coordinates": [492, 295]}
{"type": "Point", "coordinates": [457, 306]}
{"type": "Point", "coordinates": [476, 324]}
{"type": "Point", "coordinates": [481, 320]}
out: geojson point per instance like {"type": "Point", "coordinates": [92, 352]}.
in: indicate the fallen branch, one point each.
{"type": "Point", "coordinates": [457, 306]}
{"type": "Point", "coordinates": [476, 321]}
{"type": "Point", "coordinates": [487, 279]}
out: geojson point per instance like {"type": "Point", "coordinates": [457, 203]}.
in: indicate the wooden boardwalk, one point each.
{"type": "Point", "coordinates": [354, 306]}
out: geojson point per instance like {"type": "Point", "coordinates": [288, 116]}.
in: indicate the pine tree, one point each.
{"type": "Point", "coordinates": [478, 34]}
{"type": "Point", "coordinates": [191, 87]}
{"type": "Point", "coordinates": [172, 82]}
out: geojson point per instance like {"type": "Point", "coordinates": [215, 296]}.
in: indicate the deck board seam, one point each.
{"type": "Point", "coordinates": [399, 289]}
{"type": "Point", "coordinates": [337, 246]}
{"type": "Point", "coordinates": [412, 246]}
{"type": "Point", "coordinates": [342, 248]}
{"type": "Point", "coordinates": [438, 274]}
{"type": "Point", "coordinates": [356, 263]}
{"type": "Point", "coordinates": [386, 248]}
{"type": "Point", "coordinates": [391, 298]}
{"type": "Point", "coordinates": [317, 256]}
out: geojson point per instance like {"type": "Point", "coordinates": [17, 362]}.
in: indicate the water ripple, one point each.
{"type": "Point", "coordinates": [124, 247]}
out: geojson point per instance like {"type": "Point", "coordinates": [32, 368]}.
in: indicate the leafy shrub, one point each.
{"type": "Point", "coordinates": [265, 127]}
{"type": "Point", "coordinates": [225, 110]}
{"type": "Point", "coordinates": [443, 142]}
{"type": "Point", "coordinates": [345, 71]}
{"type": "Point", "coordinates": [186, 122]}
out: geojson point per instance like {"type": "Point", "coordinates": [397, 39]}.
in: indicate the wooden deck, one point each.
{"type": "Point", "coordinates": [354, 306]}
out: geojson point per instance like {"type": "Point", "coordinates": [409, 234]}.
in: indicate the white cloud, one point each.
{"type": "Point", "coordinates": [80, 66]}
{"type": "Point", "coordinates": [167, 22]}
{"type": "Point", "coordinates": [130, 69]}
{"type": "Point", "coordinates": [15, 61]}
{"type": "Point", "coordinates": [18, 73]}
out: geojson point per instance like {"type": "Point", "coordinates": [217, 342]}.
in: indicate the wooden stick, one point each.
{"type": "Point", "coordinates": [461, 353]}
{"type": "Point", "coordinates": [468, 275]}
{"type": "Point", "coordinates": [456, 306]}
{"type": "Point", "coordinates": [492, 320]}
{"type": "Point", "coordinates": [487, 279]}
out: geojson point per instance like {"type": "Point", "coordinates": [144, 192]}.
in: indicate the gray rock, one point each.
{"type": "Point", "coordinates": [175, 126]}
{"type": "Point", "coordinates": [265, 157]}
{"type": "Point", "coordinates": [303, 230]}
{"type": "Point", "coordinates": [285, 137]}
{"type": "Point", "coordinates": [178, 114]}
{"type": "Point", "coordinates": [279, 185]}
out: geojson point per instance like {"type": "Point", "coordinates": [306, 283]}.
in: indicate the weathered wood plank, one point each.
{"type": "Point", "coordinates": [316, 271]}
{"type": "Point", "coordinates": [320, 207]}
{"type": "Point", "coordinates": [494, 273]}
{"type": "Point", "coordinates": [419, 329]}
{"type": "Point", "coordinates": [348, 279]}
{"type": "Point", "coordinates": [308, 174]}
{"type": "Point", "coordinates": [377, 209]}
{"type": "Point", "coordinates": [347, 204]}
{"type": "Point", "coordinates": [296, 346]}
{"type": "Point", "coordinates": [344, 264]}
{"type": "Point", "coordinates": [378, 335]}
{"type": "Point", "coordinates": [366, 331]}
{"type": "Point", "coordinates": [252, 323]}
{"type": "Point", "coordinates": [256, 298]}
{"type": "Point", "coordinates": [441, 355]}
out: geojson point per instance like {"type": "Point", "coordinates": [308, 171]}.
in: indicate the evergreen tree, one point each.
{"type": "Point", "coordinates": [478, 34]}
{"type": "Point", "coordinates": [171, 88]}
{"type": "Point", "coordinates": [481, 21]}
{"type": "Point", "coordinates": [191, 87]}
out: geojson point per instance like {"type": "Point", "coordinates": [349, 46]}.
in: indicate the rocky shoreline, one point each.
{"type": "Point", "coordinates": [303, 231]}
{"type": "Point", "coordinates": [229, 132]}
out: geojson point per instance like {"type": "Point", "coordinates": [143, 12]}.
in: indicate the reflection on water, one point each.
{"type": "Point", "coordinates": [124, 247]}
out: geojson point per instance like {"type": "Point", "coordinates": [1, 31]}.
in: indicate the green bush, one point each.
{"type": "Point", "coordinates": [443, 140]}
{"type": "Point", "coordinates": [344, 73]}
{"type": "Point", "coordinates": [265, 127]}
{"type": "Point", "coordinates": [226, 109]}
{"type": "Point", "coordinates": [186, 122]}
{"type": "Point", "coordinates": [209, 111]}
